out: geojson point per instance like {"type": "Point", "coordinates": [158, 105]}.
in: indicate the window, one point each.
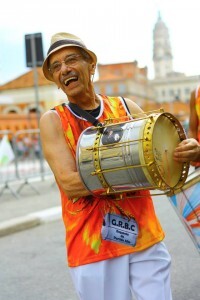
{"type": "Point", "coordinates": [122, 88]}
{"type": "Point", "coordinates": [187, 91]}
{"type": "Point", "coordinates": [163, 93]}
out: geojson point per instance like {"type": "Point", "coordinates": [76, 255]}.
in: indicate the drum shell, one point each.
{"type": "Point", "coordinates": [133, 162]}
{"type": "Point", "coordinates": [113, 156]}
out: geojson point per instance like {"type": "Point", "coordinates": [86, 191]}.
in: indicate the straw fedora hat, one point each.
{"type": "Point", "coordinates": [61, 40]}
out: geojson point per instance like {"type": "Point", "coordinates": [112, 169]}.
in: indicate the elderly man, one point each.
{"type": "Point", "coordinates": [101, 269]}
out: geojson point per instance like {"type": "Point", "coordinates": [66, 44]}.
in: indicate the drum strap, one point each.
{"type": "Point", "coordinates": [126, 105]}
{"type": "Point", "coordinates": [86, 115]}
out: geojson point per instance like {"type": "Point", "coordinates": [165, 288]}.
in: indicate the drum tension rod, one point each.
{"type": "Point", "coordinates": [104, 147]}
{"type": "Point", "coordinates": [119, 168]}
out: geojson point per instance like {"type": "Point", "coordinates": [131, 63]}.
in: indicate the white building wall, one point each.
{"type": "Point", "coordinates": [174, 88]}
{"type": "Point", "coordinates": [48, 94]}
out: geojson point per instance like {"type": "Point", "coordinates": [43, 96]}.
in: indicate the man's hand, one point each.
{"type": "Point", "coordinates": [188, 150]}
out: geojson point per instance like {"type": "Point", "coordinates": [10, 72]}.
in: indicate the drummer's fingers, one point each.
{"type": "Point", "coordinates": [182, 157]}
{"type": "Point", "coordinates": [184, 142]}
{"type": "Point", "coordinates": [190, 141]}
{"type": "Point", "coordinates": [188, 144]}
{"type": "Point", "coordinates": [185, 156]}
{"type": "Point", "coordinates": [183, 147]}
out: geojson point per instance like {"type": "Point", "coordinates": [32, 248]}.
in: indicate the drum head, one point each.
{"type": "Point", "coordinates": [165, 139]}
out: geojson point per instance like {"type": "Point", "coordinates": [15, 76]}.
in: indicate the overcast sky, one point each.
{"type": "Point", "coordinates": [117, 31]}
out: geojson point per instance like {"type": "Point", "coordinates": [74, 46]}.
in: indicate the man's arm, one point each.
{"type": "Point", "coordinates": [189, 149]}
{"type": "Point", "coordinates": [193, 121]}
{"type": "Point", "coordinates": [59, 156]}
{"type": "Point", "coordinates": [133, 107]}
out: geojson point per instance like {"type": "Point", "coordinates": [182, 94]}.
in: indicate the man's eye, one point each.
{"type": "Point", "coordinates": [56, 66]}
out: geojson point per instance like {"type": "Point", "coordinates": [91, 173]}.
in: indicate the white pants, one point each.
{"type": "Point", "coordinates": [145, 274]}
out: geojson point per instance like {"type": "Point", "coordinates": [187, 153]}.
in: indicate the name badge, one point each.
{"type": "Point", "coordinates": [119, 229]}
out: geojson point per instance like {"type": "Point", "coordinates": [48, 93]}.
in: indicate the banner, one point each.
{"type": "Point", "coordinates": [6, 152]}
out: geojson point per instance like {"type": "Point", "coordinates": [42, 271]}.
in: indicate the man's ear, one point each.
{"type": "Point", "coordinates": [92, 68]}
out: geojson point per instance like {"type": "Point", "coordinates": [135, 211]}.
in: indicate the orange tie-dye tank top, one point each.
{"type": "Point", "coordinates": [83, 218]}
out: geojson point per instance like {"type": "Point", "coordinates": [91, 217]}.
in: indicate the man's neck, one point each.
{"type": "Point", "coordinates": [87, 103]}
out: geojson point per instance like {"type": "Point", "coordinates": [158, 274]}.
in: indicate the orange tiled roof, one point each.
{"type": "Point", "coordinates": [120, 71]}
{"type": "Point", "coordinates": [26, 80]}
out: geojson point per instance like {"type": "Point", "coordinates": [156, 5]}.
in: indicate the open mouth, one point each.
{"type": "Point", "coordinates": [70, 80]}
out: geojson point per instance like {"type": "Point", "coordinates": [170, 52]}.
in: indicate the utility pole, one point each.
{"type": "Point", "coordinates": [34, 59]}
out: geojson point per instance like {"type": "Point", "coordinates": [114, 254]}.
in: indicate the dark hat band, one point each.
{"type": "Point", "coordinates": [65, 42]}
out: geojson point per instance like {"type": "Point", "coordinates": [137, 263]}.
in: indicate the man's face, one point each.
{"type": "Point", "coordinates": [71, 71]}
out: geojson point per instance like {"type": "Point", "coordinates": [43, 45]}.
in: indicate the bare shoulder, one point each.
{"type": "Point", "coordinates": [133, 107]}
{"type": "Point", "coordinates": [50, 120]}
{"type": "Point", "coordinates": [48, 116]}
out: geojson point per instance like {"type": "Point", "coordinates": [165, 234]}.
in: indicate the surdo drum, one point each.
{"type": "Point", "coordinates": [132, 155]}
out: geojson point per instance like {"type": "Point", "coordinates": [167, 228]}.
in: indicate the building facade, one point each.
{"type": "Point", "coordinates": [22, 101]}
{"type": "Point", "coordinates": [127, 80]}
{"type": "Point", "coordinates": [162, 53]}
{"type": "Point", "coordinates": [169, 85]}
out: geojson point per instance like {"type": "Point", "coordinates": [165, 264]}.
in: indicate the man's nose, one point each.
{"type": "Point", "coordinates": [64, 66]}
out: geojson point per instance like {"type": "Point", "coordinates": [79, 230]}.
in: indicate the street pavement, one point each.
{"type": "Point", "coordinates": [39, 203]}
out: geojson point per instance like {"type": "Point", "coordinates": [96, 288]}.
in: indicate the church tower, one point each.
{"type": "Point", "coordinates": [162, 54]}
